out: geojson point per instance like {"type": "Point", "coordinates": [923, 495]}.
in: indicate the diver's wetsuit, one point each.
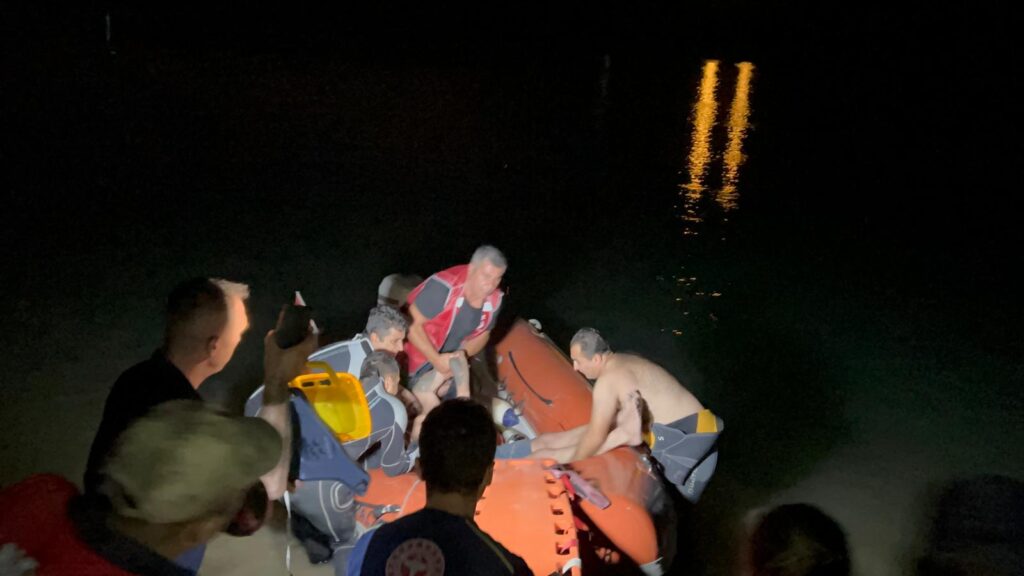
{"type": "Point", "coordinates": [345, 356]}
{"type": "Point", "coordinates": [687, 457]}
{"type": "Point", "coordinates": [389, 422]}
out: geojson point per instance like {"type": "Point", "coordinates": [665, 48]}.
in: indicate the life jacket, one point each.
{"type": "Point", "coordinates": [438, 327]}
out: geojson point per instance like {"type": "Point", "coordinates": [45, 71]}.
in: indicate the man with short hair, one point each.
{"type": "Point", "coordinates": [205, 321]}
{"type": "Point", "coordinates": [386, 329]}
{"type": "Point", "coordinates": [177, 477]}
{"type": "Point", "coordinates": [453, 313]}
{"type": "Point", "coordinates": [629, 391]}
{"type": "Point", "coordinates": [456, 465]}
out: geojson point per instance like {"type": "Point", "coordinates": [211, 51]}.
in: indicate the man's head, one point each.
{"type": "Point", "coordinates": [185, 470]}
{"type": "Point", "coordinates": [486, 268]}
{"type": "Point", "coordinates": [206, 319]}
{"type": "Point", "coordinates": [796, 540]}
{"type": "Point", "coordinates": [589, 352]}
{"type": "Point", "coordinates": [386, 328]}
{"type": "Point", "coordinates": [380, 364]}
{"type": "Point", "coordinates": [394, 289]}
{"type": "Point", "coordinates": [457, 448]}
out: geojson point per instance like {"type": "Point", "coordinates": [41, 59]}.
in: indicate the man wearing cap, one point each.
{"type": "Point", "coordinates": [176, 478]}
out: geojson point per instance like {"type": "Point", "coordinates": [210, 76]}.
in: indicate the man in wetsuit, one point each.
{"type": "Point", "coordinates": [385, 331]}
{"type": "Point", "coordinates": [385, 446]}
{"type": "Point", "coordinates": [324, 510]}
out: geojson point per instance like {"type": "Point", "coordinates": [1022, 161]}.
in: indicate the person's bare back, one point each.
{"type": "Point", "coordinates": [630, 395]}
{"type": "Point", "coordinates": [666, 398]}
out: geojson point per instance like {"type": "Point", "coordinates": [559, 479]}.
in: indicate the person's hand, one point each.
{"type": "Point", "coordinates": [13, 562]}
{"type": "Point", "coordinates": [282, 366]}
{"type": "Point", "coordinates": [443, 365]}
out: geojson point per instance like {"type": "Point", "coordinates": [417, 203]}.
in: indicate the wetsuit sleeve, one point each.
{"type": "Point", "coordinates": [430, 301]}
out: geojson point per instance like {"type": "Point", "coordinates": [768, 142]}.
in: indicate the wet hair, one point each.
{"type": "Point", "coordinates": [457, 447]}
{"type": "Point", "coordinates": [197, 299]}
{"type": "Point", "coordinates": [798, 540]}
{"type": "Point", "coordinates": [383, 319]}
{"type": "Point", "coordinates": [378, 364]}
{"type": "Point", "coordinates": [490, 254]}
{"type": "Point", "coordinates": [590, 342]}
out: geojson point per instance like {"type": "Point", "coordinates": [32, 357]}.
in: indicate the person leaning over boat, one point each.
{"type": "Point", "coordinates": [453, 313]}
{"type": "Point", "coordinates": [456, 464]}
{"type": "Point", "coordinates": [630, 391]}
{"type": "Point", "coordinates": [325, 509]}
{"type": "Point", "coordinates": [205, 321]}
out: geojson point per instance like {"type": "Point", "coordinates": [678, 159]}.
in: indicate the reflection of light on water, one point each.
{"type": "Point", "coordinates": [696, 206]}
{"type": "Point", "coordinates": [704, 111]}
{"type": "Point", "coordinates": [739, 115]}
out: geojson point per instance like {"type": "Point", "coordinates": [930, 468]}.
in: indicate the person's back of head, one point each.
{"type": "Point", "coordinates": [457, 448]}
{"type": "Point", "coordinates": [200, 310]}
{"type": "Point", "coordinates": [378, 364]}
{"type": "Point", "coordinates": [184, 470]}
{"type": "Point", "coordinates": [797, 540]}
{"type": "Point", "coordinates": [977, 529]}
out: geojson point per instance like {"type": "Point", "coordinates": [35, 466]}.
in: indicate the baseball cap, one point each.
{"type": "Point", "coordinates": [184, 460]}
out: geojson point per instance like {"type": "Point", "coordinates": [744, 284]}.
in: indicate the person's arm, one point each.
{"type": "Point", "coordinates": [602, 418]}
{"type": "Point", "coordinates": [279, 368]}
{"type": "Point", "coordinates": [459, 365]}
{"type": "Point", "coordinates": [474, 345]}
{"type": "Point", "coordinates": [418, 337]}
{"type": "Point", "coordinates": [412, 404]}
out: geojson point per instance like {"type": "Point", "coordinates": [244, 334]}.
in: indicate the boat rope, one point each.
{"type": "Point", "coordinates": [512, 359]}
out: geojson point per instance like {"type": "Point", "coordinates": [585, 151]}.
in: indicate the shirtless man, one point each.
{"type": "Point", "coordinates": [623, 384]}
{"type": "Point", "coordinates": [633, 396]}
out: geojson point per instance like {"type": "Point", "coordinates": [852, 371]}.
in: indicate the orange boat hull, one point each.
{"type": "Point", "coordinates": [528, 509]}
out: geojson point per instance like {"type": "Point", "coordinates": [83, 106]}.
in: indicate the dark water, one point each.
{"type": "Point", "coordinates": [804, 215]}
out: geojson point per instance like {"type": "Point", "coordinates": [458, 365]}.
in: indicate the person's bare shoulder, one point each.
{"type": "Point", "coordinates": [618, 379]}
